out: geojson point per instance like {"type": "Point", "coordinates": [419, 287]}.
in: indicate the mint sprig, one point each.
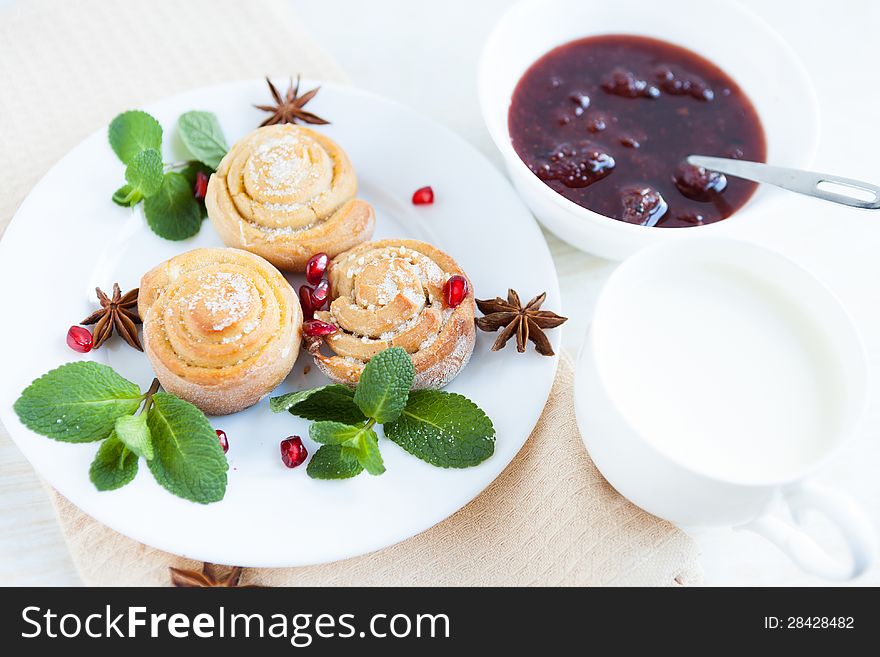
{"type": "Point", "coordinates": [132, 132]}
{"type": "Point", "coordinates": [87, 401]}
{"type": "Point", "coordinates": [203, 137]}
{"type": "Point", "coordinates": [444, 429]}
{"type": "Point", "coordinates": [167, 190]}
{"type": "Point", "coordinates": [114, 465]}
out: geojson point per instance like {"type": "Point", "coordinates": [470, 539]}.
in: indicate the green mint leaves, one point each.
{"type": "Point", "coordinates": [333, 402]}
{"type": "Point", "coordinates": [87, 402]}
{"type": "Point", "coordinates": [202, 136]}
{"type": "Point", "coordinates": [167, 190]}
{"type": "Point", "coordinates": [333, 462]}
{"type": "Point", "coordinates": [133, 432]}
{"type": "Point", "coordinates": [77, 403]}
{"type": "Point", "coordinates": [384, 385]}
{"type": "Point", "coordinates": [114, 465]}
{"type": "Point", "coordinates": [444, 429]}
{"type": "Point", "coordinates": [133, 132]}
{"type": "Point", "coordinates": [173, 212]}
{"type": "Point", "coordinates": [189, 460]}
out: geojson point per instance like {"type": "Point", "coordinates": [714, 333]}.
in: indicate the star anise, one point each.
{"type": "Point", "coordinates": [119, 312]}
{"type": "Point", "coordinates": [208, 577]}
{"type": "Point", "coordinates": [289, 108]}
{"type": "Point", "coordinates": [527, 322]}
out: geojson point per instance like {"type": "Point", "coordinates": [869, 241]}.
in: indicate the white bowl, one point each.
{"type": "Point", "coordinates": [725, 33]}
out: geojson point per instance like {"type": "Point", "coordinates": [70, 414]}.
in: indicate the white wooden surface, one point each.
{"type": "Point", "coordinates": [424, 54]}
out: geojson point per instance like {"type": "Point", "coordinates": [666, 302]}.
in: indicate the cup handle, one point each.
{"type": "Point", "coordinates": [851, 521]}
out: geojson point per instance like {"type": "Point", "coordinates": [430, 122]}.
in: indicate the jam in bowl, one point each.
{"type": "Point", "coordinates": [608, 122]}
{"type": "Point", "coordinates": [594, 108]}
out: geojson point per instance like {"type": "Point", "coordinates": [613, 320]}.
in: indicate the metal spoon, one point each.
{"type": "Point", "coordinates": [795, 180]}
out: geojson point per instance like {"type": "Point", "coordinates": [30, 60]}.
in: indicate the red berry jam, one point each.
{"type": "Point", "coordinates": [608, 123]}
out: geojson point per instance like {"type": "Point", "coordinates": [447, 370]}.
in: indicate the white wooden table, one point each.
{"type": "Point", "coordinates": [424, 55]}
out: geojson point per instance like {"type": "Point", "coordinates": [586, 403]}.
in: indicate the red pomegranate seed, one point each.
{"type": "Point", "coordinates": [305, 300]}
{"type": "Point", "coordinates": [423, 196]}
{"type": "Point", "coordinates": [316, 266]}
{"type": "Point", "coordinates": [293, 452]}
{"type": "Point", "coordinates": [224, 443]}
{"type": "Point", "coordinates": [79, 339]}
{"type": "Point", "coordinates": [320, 294]}
{"type": "Point", "coordinates": [200, 189]}
{"type": "Point", "coordinates": [316, 328]}
{"type": "Point", "coordinates": [455, 290]}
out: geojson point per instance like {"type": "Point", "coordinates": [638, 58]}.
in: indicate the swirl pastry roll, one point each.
{"type": "Point", "coordinates": [286, 193]}
{"type": "Point", "coordinates": [221, 327]}
{"type": "Point", "coordinates": [390, 294]}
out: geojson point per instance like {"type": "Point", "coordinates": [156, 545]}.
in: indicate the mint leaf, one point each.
{"type": "Point", "coordinates": [332, 402]}
{"type": "Point", "coordinates": [384, 385]}
{"type": "Point", "coordinates": [334, 433]}
{"type": "Point", "coordinates": [203, 137]}
{"type": "Point", "coordinates": [132, 132]}
{"type": "Point", "coordinates": [78, 402]}
{"type": "Point", "coordinates": [362, 440]}
{"type": "Point", "coordinates": [173, 213]}
{"type": "Point", "coordinates": [133, 432]}
{"type": "Point", "coordinates": [334, 462]}
{"type": "Point", "coordinates": [368, 454]}
{"type": "Point", "coordinates": [188, 459]}
{"type": "Point", "coordinates": [127, 196]}
{"type": "Point", "coordinates": [114, 465]}
{"type": "Point", "coordinates": [443, 428]}
{"type": "Point", "coordinates": [144, 173]}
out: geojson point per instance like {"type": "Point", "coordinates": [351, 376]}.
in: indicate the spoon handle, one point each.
{"type": "Point", "coordinates": [854, 193]}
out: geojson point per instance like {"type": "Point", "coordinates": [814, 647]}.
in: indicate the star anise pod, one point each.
{"type": "Point", "coordinates": [208, 577]}
{"type": "Point", "coordinates": [527, 322]}
{"type": "Point", "coordinates": [289, 108]}
{"type": "Point", "coordinates": [119, 312]}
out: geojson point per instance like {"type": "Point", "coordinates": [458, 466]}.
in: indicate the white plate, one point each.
{"type": "Point", "coordinates": [68, 237]}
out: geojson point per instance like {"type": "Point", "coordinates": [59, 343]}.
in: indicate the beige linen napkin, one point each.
{"type": "Point", "coordinates": [550, 519]}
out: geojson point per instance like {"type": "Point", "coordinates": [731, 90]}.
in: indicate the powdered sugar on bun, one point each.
{"type": "Point", "coordinates": [286, 192]}
{"type": "Point", "coordinates": [389, 293]}
{"type": "Point", "coordinates": [221, 327]}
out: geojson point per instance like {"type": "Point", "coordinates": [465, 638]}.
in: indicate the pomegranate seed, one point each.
{"type": "Point", "coordinates": [316, 328]}
{"type": "Point", "coordinates": [305, 300]}
{"type": "Point", "coordinates": [316, 266]}
{"type": "Point", "coordinates": [79, 339]}
{"type": "Point", "coordinates": [200, 189]}
{"type": "Point", "coordinates": [423, 196]}
{"type": "Point", "coordinates": [455, 290]}
{"type": "Point", "coordinates": [293, 452]}
{"type": "Point", "coordinates": [224, 443]}
{"type": "Point", "coordinates": [320, 294]}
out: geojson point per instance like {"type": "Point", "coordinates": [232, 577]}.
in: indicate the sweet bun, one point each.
{"type": "Point", "coordinates": [286, 192]}
{"type": "Point", "coordinates": [221, 327]}
{"type": "Point", "coordinates": [390, 293]}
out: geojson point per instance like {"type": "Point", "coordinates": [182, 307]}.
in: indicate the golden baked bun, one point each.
{"type": "Point", "coordinates": [221, 327]}
{"type": "Point", "coordinates": [286, 193]}
{"type": "Point", "coordinates": [390, 294]}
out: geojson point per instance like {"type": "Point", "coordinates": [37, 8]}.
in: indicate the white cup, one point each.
{"type": "Point", "coordinates": [716, 378]}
